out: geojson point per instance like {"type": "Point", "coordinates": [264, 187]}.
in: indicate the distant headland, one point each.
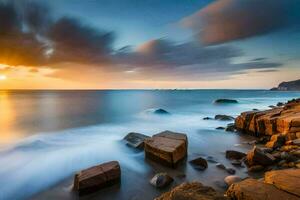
{"type": "Point", "coordinates": [288, 86]}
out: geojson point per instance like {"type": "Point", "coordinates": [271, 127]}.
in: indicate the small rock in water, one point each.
{"type": "Point", "coordinates": [199, 163]}
{"type": "Point", "coordinates": [234, 155]}
{"type": "Point", "coordinates": [236, 163]}
{"type": "Point", "coordinates": [230, 127]}
{"type": "Point", "coordinates": [229, 180]}
{"type": "Point", "coordinates": [280, 104]}
{"type": "Point", "coordinates": [161, 111]}
{"type": "Point", "coordinates": [207, 118]}
{"type": "Point", "coordinates": [224, 117]}
{"type": "Point", "coordinates": [135, 140]}
{"type": "Point", "coordinates": [161, 180]}
{"type": "Point", "coordinates": [220, 101]}
{"type": "Point", "coordinates": [220, 128]}
{"type": "Point", "coordinates": [211, 159]}
{"type": "Point", "coordinates": [230, 170]}
{"type": "Point", "coordinates": [220, 166]}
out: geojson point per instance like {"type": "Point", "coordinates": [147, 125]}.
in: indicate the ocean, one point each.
{"type": "Point", "coordinates": [47, 136]}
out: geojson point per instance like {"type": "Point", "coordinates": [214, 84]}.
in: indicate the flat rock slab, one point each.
{"type": "Point", "coordinates": [287, 180]}
{"type": "Point", "coordinates": [135, 140]}
{"type": "Point", "coordinates": [167, 148]}
{"type": "Point", "coordinates": [251, 189]}
{"type": "Point", "coordinates": [192, 191]}
{"type": "Point", "coordinates": [95, 178]}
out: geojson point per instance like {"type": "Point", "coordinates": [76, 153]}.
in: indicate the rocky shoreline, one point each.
{"type": "Point", "coordinates": [275, 155]}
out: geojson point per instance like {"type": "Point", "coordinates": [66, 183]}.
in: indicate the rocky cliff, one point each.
{"type": "Point", "coordinates": [288, 86]}
{"type": "Point", "coordinates": [282, 119]}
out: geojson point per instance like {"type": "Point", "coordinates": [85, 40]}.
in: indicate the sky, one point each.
{"type": "Point", "coordinates": [148, 44]}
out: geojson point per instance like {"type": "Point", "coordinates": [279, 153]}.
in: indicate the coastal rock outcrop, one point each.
{"type": "Point", "coordinates": [167, 148]}
{"type": "Point", "coordinates": [283, 120]}
{"type": "Point", "coordinates": [287, 180]}
{"type": "Point", "coordinates": [135, 140]}
{"type": "Point", "coordinates": [192, 191]}
{"type": "Point", "coordinates": [251, 189]}
{"type": "Point", "coordinates": [224, 117]}
{"type": "Point", "coordinates": [258, 157]}
{"type": "Point", "coordinates": [95, 178]}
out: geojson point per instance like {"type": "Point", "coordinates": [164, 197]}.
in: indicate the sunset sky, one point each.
{"type": "Point", "coordinates": [136, 44]}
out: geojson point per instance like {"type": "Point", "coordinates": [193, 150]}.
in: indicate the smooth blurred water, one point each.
{"type": "Point", "coordinates": [46, 136]}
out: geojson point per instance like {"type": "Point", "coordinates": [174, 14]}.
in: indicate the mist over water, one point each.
{"type": "Point", "coordinates": [46, 136]}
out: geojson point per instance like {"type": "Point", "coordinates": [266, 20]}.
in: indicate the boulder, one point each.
{"type": "Point", "coordinates": [161, 112]}
{"type": "Point", "coordinates": [235, 155]}
{"type": "Point", "coordinates": [251, 189]}
{"type": "Point", "coordinates": [256, 168]}
{"type": "Point", "coordinates": [192, 191]}
{"type": "Point", "coordinates": [229, 180]}
{"type": "Point", "coordinates": [167, 148]}
{"type": "Point", "coordinates": [224, 117]}
{"type": "Point", "coordinates": [199, 163]}
{"type": "Point", "coordinates": [276, 141]}
{"type": "Point", "coordinates": [259, 157]}
{"type": "Point", "coordinates": [97, 177]}
{"type": "Point", "coordinates": [230, 170]}
{"type": "Point", "coordinates": [135, 140]}
{"type": "Point", "coordinates": [225, 101]}
{"type": "Point", "coordinates": [287, 180]}
{"type": "Point", "coordinates": [161, 180]}
{"type": "Point", "coordinates": [220, 166]}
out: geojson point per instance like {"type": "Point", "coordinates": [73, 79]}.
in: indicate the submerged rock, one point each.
{"type": "Point", "coordinates": [207, 118]}
{"type": "Point", "coordinates": [220, 128]}
{"type": "Point", "coordinates": [161, 111]}
{"type": "Point", "coordinates": [224, 117]}
{"type": "Point", "coordinates": [251, 189]}
{"type": "Point", "coordinates": [167, 148]}
{"type": "Point", "coordinates": [230, 127]}
{"type": "Point", "coordinates": [199, 163]}
{"type": "Point", "coordinates": [221, 101]}
{"type": "Point", "coordinates": [161, 180]}
{"type": "Point", "coordinates": [135, 140]}
{"type": "Point", "coordinates": [95, 178]}
{"type": "Point", "coordinates": [192, 191]}
{"type": "Point", "coordinates": [235, 155]}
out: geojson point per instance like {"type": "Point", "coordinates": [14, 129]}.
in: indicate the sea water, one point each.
{"type": "Point", "coordinates": [47, 136]}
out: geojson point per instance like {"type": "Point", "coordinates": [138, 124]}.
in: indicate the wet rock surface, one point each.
{"type": "Point", "coordinates": [135, 140]}
{"type": "Point", "coordinates": [167, 148]}
{"type": "Point", "coordinates": [199, 163]}
{"type": "Point", "coordinates": [192, 191]}
{"type": "Point", "coordinates": [161, 180]}
{"type": "Point", "coordinates": [235, 155]}
{"type": "Point", "coordinates": [224, 118]}
{"type": "Point", "coordinates": [95, 178]}
{"type": "Point", "coordinates": [251, 189]}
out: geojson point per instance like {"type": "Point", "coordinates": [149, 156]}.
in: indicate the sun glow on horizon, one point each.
{"type": "Point", "coordinates": [3, 77]}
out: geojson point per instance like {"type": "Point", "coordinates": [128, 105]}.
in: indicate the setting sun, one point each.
{"type": "Point", "coordinates": [2, 77]}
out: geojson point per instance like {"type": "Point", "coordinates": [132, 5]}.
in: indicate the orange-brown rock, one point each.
{"type": "Point", "coordinates": [279, 120]}
{"type": "Point", "coordinates": [287, 180]}
{"type": "Point", "coordinates": [192, 191]}
{"type": "Point", "coordinates": [97, 177]}
{"type": "Point", "coordinates": [167, 148]}
{"type": "Point", "coordinates": [258, 157]}
{"type": "Point", "coordinates": [251, 189]}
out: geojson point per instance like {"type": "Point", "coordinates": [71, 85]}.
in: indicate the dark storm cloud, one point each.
{"type": "Point", "coordinates": [29, 36]}
{"type": "Point", "coordinates": [168, 59]}
{"type": "Point", "coordinates": [227, 20]}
